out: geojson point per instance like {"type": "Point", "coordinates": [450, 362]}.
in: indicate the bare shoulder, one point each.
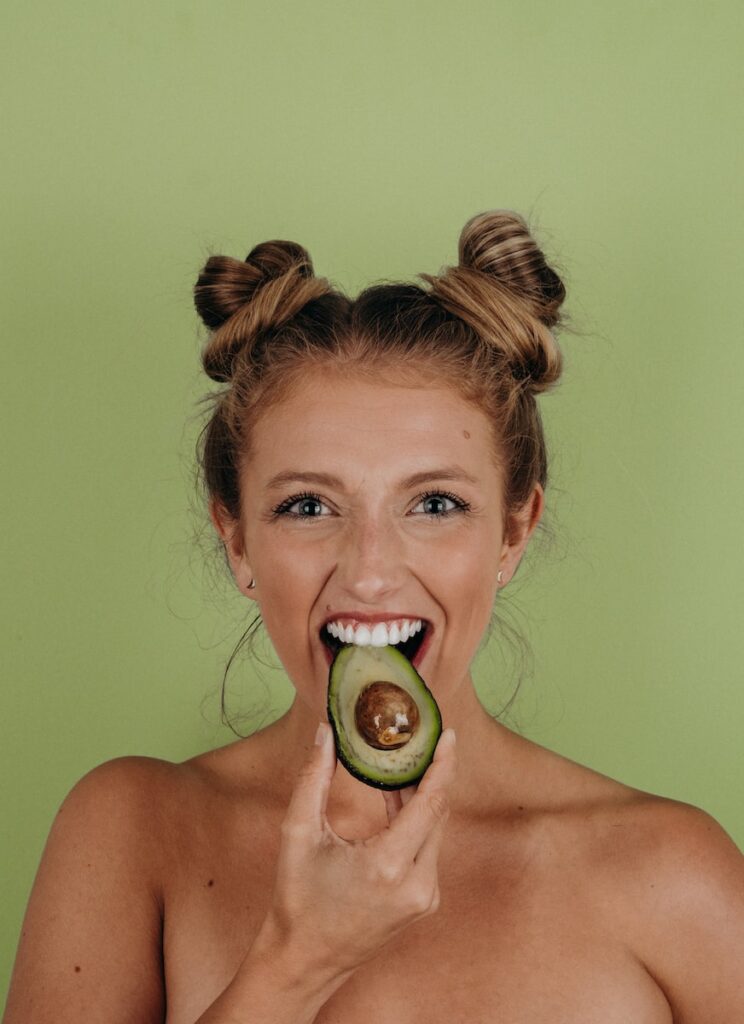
{"type": "Point", "coordinates": [113, 815]}
{"type": "Point", "coordinates": [668, 850]}
{"type": "Point", "coordinates": [93, 922]}
{"type": "Point", "coordinates": [126, 782]}
{"type": "Point", "coordinates": [121, 813]}
{"type": "Point", "coordinates": [658, 848]}
{"type": "Point", "coordinates": [689, 910]}
{"type": "Point", "coordinates": [149, 815]}
{"type": "Point", "coordinates": [672, 880]}
{"type": "Point", "coordinates": [664, 847]}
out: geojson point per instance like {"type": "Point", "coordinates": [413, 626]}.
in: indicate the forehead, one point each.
{"type": "Point", "coordinates": [356, 424]}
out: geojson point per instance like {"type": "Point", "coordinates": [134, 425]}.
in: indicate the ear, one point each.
{"type": "Point", "coordinates": [228, 530]}
{"type": "Point", "coordinates": [519, 531]}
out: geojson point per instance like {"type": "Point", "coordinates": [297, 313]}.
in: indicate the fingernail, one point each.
{"type": "Point", "coordinates": [450, 733]}
{"type": "Point", "coordinates": [320, 735]}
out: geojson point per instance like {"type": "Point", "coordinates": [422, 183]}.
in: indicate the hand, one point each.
{"type": "Point", "coordinates": [338, 901]}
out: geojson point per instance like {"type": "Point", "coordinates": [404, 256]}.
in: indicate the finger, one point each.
{"type": "Point", "coordinates": [425, 871]}
{"type": "Point", "coordinates": [307, 805]}
{"type": "Point", "coordinates": [427, 859]}
{"type": "Point", "coordinates": [393, 803]}
{"type": "Point", "coordinates": [428, 806]}
{"type": "Point", "coordinates": [407, 794]}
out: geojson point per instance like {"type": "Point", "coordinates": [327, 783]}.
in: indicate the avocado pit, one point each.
{"type": "Point", "coordinates": [385, 715]}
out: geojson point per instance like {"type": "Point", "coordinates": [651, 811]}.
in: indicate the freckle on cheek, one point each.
{"type": "Point", "coordinates": [77, 969]}
{"type": "Point", "coordinates": [466, 434]}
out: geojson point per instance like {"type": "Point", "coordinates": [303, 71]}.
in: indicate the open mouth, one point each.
{"type": "Point", "coordinates": [413, 648]}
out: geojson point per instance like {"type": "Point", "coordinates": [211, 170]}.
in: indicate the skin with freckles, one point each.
{"type": "Point", "coordinates": [553, 893]}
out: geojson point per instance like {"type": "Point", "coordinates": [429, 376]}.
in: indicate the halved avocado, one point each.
{"type": "Point", "coordinates": [385, 721]}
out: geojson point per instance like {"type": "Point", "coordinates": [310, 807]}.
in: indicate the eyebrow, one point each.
{"type": "Point", "coordinates": [328, 480]}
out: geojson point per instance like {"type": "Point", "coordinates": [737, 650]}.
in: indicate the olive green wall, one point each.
{"type": "Point", "coordinates": [143, 136]}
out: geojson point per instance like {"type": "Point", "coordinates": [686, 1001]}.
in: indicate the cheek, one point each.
{"type": "Point", "coordinates": [472, 600]}
{"type": "Point", "coordinates": [471, 564]}
{"type": "Point", "coordinates": [467, 578]}
{"type": "Point", "coordinates": [290, 583]}
{"type": "Point", "coordinates": [290, 565]}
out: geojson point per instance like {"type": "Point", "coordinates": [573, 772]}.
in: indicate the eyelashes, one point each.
{"type": "Point", "coordinates": [283, 509]}
{"type": "Point", "coordinates": [460, 504]}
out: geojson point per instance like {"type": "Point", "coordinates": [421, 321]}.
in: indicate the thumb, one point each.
{"type": "Point", "coordinates": [307, 805]}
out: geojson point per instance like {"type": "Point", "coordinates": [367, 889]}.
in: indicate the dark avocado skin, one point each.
{"type": "Point", "coordinates": [357, 772]}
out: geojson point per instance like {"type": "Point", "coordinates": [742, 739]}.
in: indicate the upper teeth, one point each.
{"type": "Point", "coordinates": [379, 635]}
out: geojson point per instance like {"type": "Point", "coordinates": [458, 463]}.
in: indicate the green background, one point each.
{"type": "Point", "coordinates": [140, 137]}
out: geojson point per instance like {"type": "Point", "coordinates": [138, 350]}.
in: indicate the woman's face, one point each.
{"type": "Point", "coordinates": [335, 525]}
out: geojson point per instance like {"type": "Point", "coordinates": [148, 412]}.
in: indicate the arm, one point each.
{"type": "Point", "coordinates": [692, 929]}
{"type": "Point", "coordinates": [90, 948]}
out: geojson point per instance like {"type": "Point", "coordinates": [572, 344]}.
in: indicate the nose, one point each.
{"type": "Point", "coordinates": [370, 562]}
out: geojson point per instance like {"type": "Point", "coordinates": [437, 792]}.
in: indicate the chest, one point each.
{"type": "Point", "coordinates": [516, 939]}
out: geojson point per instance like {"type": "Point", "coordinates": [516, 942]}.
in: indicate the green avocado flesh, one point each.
{"type": "Point", "coordinates": [385, 721]}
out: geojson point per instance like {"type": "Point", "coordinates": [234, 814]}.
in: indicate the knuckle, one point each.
{"type": "Point", "coordinates": [438, 804]}
{"type": "Point", "coordinates": [420, 900]}
{"type": "Point", "coordinates": [390, 873]}
{"type": "Point", "coordinates": [306, 773]}
{"type": "Point", "coordinates": [292, 830]}
{"type": "Point", "coordinates": [434, 905]}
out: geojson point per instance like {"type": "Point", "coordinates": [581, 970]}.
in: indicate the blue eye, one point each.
{"type": "Point", "coordinates": [304, 500]}
{"type": "Point", "coordinates": [441, 497]}
{"type": "Point", "coordinates": [308, 500]}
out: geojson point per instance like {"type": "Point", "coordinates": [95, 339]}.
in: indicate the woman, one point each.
{"type": "Point", "coordinates": [367, 462]}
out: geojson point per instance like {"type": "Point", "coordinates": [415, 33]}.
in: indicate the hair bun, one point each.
{"type": "Point", "coordinates": [507, 293]}
{"type": "Point", "coordinates": [240, 300]}
{"type": "Point", "coordinates": [225, 284]}
{"type": "Point", "coordinates": [499, 243]}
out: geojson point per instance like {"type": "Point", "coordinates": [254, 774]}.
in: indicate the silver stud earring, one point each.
{"type": "Point", "coordinates": [251, 585]}
{"type": "Point", "coordinates": [498, 578]}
